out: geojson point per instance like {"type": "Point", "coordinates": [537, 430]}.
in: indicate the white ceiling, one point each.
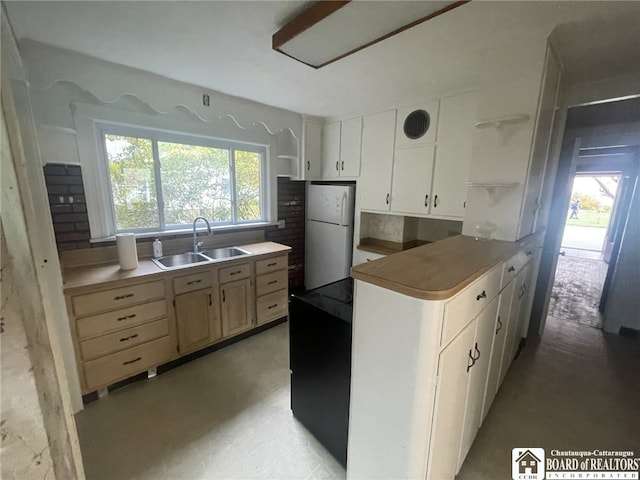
{"type": "Point", "coordinates": [226, 46]}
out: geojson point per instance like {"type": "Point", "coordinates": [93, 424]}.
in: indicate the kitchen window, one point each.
{"type": "Point", "coordinates": [160, 181]}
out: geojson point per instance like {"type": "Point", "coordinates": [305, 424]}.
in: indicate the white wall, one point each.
{"type": "Point", "coordinates": [623, 304]}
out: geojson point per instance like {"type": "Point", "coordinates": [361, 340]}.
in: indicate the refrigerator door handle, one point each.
{"type": "Point", "coordinates": [343, 210]}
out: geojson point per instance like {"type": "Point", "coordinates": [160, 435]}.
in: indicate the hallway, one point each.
{"type": "Point", "coordinates": [578, 389]}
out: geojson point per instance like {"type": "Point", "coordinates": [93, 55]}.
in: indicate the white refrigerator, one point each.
{"type": "Point", "coordinates": [329, 233]}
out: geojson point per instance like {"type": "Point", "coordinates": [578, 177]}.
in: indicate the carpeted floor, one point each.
{"type": "Point", "coordinates": [577, 289]}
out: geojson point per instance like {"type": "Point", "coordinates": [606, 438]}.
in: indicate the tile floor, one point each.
{"type": "Point", "coordinates": [227, 415]}
{"type": "Point", "coordinates": [222, 416]}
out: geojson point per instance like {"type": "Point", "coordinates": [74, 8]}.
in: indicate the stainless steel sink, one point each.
{"type": "Point", "coordinates": [179, 260]}
{"type": "Point", "coordinates": [227, 252]}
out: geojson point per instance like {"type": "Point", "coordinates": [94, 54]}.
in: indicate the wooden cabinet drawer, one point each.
{"type": "Point", "coordinates": [271, 264]}
{"type": "Point", "coordinates": [117, 298]}
{"type": "Point", "coordinates": [272, 306]}
{"type": "Point", "coordinates": [190, 283]}
{"type": "Point", "coordinates": [130, 337]}
{"type": "Point", "coordinates": [117, 366]}
{"type": "Point", "coordinates": [462, 308]}
{"type": "Point", "coordinates": [236, 272]}
{"type": "Point", "coordinates": [271, 282]}
{"type": "Point", "coordinates": [120, 319]}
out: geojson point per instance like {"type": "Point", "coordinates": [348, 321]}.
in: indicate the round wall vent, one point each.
{"type": "Point", "coordinates": [416, 124]}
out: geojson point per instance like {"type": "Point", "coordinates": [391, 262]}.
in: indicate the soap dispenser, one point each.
{"type": "Point", "coordinates": [157, 248]}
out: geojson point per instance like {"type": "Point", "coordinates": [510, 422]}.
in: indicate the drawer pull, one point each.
{"type": "Point", "coordinates": [129, 338]}
{"type": "Point", "coordinates": [511, 269]}
{"type": "Point", "coordinates": [272, 282]}
{"type": "Point", "coordinates": [127, 317]}
{"type": "Point", "coordinates": [132, 361]}
{"type": "Point", "coordinates": [529, 253]}
{"type": "Point", "coordinates": [273, 264]}
{"type": "Point", "coordinates": [482, 295]}
{"type": "Point", "coordinates": [236, 272]}
{"type": "Point", "coordinates": [194, 282]}
{"type": "Point", "coordinates": [122, 297]}
{"type": "Point", "coordinates": [499, 325]}
{"type": "Point", "coordinates": [272, 306]}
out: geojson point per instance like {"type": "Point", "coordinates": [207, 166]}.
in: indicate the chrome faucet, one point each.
{"type": "Point", "coordinates": [196, 243]}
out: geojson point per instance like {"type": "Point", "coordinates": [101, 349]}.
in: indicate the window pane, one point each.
{"type": "Point", "coordinates": [133, 184]}
{"type": "Point", "coordinates": [248, 185]}
{"type": "Point", "coordinates": [196, 181]}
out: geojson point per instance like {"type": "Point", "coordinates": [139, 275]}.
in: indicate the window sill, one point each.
{"type": "Point", "coordinates": [189, 231]}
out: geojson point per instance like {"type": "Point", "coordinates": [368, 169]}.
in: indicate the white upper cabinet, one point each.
{"type": "Point", "coordinates": [374, 184]}
{"type": "Point", "coordinates": [312, 151]}
{"type": "Point", "coordinates": [417, 125]}
{"type": "Point", "coordinates": [341, 145]}
{"type": "Point", "coordinates": [453, 155]}
{"type": "Point", "coordinates": [412, 174]}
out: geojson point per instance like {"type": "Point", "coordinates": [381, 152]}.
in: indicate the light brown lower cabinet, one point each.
{"type": "Point", "coordinates": [198, 320]}
{"type": "Point", "coordinates": [236, 307]}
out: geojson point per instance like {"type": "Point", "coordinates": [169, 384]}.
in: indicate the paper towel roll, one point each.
{"type": "Point", "coordinates": [127, 251]}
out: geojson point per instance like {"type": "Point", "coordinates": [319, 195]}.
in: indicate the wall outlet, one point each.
{"type": "Point", "coordinates": [281, 225]}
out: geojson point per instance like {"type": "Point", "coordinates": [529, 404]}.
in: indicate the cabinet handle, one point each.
{"type": "Point", "coordinates": [342, 166]}
{"type": "Point", "coordinates": [235, 273]}
{"type": "Point", "coordinates": [464, 205]}
{"type": "Point", "coordinates": [473, 361]}
{"type": "Point", "coordinates": [529, 253]}
{"type": "Point", "coordinates": [387, 199]}
{"type": "Point", "coordinates": [122, 297]}
{"type": "Point", "coordinates": [132, 361]}
{"type": "Point", "coordinates": [308, 165]}
{"type": "Point", "coordinates": [129, 338]}
{"type": "Point", "coordinates": [337, 166]}
{"type": "Point", "coordinates": [511, 269]}
{"type": "Point", "coordinates": [194, 282]}
{"type": "Point", "coordinates": [482, 295]}
{"type": "Point", "coordinates": [499, 325]}
{"type": "Point", "coordinates": [435, 201]}
{"type": "Point", "coordinates": [426, 200]}
{"type": "Point", "coordinates": [272, 282]}
{"type": "Point", "coordinates": [223, 297]}
{"type": "Point", "coordinates": [477, 350]}
{"type": "Point", "coordinates": [209, 299]}
{"type": "Point", "coordinates": [272, 306]}
{"type": "Point", "coordinates": [272, 264]}
{"type": "Point", "coordinates": [127, 317]}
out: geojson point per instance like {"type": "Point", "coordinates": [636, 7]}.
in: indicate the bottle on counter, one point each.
{"type": "Point", "coordinates": [157, 248]}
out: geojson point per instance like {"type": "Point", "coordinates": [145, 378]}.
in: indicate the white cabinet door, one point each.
{"type": "Point", "coordinates": [312, 159]}
{"type": "Point", "coordinates": [350, 147]}
{"type": "Point", "coordinates": [453, 155]}
{"type": "Point", "coordinates": [478, 377]}
{"type": "Point", "coordinates": [495, 362]}
{"type": "Point", "coordinates": [374, 183]}
{"type": "Point", "coordinates": [412, 174]}
{"type": "Point", "coordinates": [331, 150]}
{"type": "Point", "coordinates": [453, 378]}
{"type": "Point", "coordinates": [512, 328]}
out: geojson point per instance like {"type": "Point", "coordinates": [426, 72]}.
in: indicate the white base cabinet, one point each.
{"type": "Point", "coordinates": [424, 373]}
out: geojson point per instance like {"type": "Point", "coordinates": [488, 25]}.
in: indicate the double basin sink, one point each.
{"type": "Point", "coordinates": [183, 259]}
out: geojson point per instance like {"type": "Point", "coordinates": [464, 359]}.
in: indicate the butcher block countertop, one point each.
{"type": "Point", "coordinates": [439, 270]}
{"type": "Point", "coordinates": [77, 278]}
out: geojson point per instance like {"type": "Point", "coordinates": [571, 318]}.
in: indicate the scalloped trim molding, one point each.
{"type": "Point", "coordinates": [108, 82]}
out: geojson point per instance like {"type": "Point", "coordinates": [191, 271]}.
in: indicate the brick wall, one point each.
{"type": "Point", "coordinates": [68, 206]}
{"type": "Point", "coordinates": [291, 209]}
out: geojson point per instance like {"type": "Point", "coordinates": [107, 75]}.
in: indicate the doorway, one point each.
{"type": "Point", "coordinates": [585, 251]}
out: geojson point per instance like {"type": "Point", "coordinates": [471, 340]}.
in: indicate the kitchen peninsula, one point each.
{"type": "Point", "coordinates": [435, 329]}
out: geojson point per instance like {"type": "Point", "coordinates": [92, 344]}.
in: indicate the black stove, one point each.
{"type": "Point", "coordinates": [320, 362]}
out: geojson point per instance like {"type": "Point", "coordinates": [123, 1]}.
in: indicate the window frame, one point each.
{"type": "Point", "coordinates": [179, 124]}
{"type": "Point", "coordinates": [157, 136]}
